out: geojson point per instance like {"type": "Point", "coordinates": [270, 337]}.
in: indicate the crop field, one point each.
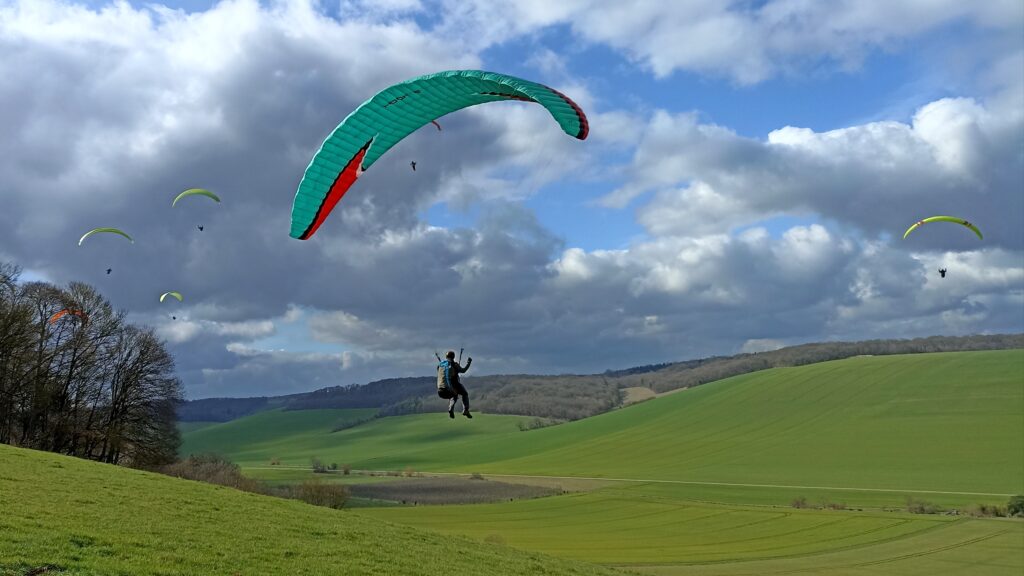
{"type": "Point", "coordinates": [71, 517]}
{"type": "Point", "coordinates": [661, 533]}
{"type": "Point", "coordinates": [961, 548]}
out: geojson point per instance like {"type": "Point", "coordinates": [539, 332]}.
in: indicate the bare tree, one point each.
{"type": "Point", "coordinates": [85, 383]}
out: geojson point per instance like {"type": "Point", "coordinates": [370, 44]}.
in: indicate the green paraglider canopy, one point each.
{"type": "Point", "coordinates": [397, 111]}
{"type": "Point", "coordinates": [195, 192]}
{"type": "Point", "coordinates": [953, 219]}
{"type": "Point", "coordinates": [104, 230]}
{"type": "Point", "coordinates": [172, 294]}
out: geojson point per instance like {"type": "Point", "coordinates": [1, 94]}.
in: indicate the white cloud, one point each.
{"type": "Point", "coordinates": [745, 42]}
{"type": "Point", "coordinates": [182, 330]}
{"type": "Point", "coordinates": [237, 98]}
{"type": "Point", "coordinates": [755, 345]}
{"type": "Point", "coordinates": [956, 157]}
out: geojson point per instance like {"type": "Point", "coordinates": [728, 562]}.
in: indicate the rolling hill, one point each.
{"type": "Point", "coordinates": [948, 422]}
{"type": "Point", "coordinates": [572, 397]}
{"type": "Point", "coordinates": [79, 518]}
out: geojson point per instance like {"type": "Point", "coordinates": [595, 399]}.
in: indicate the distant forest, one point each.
{"type": "Point", "coordinates": [77, 379]}
{"type": "Point", "coordinates": [573, 397]}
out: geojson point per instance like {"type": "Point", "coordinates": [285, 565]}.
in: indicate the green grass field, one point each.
{"type": "Point", "coordinates": [186, 427]}
{"type": "Point", "coordinates": [961, 548]}
{"type": "Point", "coordinates": [88, 519]}
{"type": "Point", "coordinates": [946, 422]}
{"type": "Point", "coordinates": [705, 476]}
{"type": "Point", "coordinates": [264, 435]}
{"type": "Point", "coordinates": [650, 528]}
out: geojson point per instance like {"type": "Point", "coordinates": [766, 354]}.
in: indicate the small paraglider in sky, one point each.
{"type": "Point", "coordinates": [109, 270]}
{"type": "Point", "coordinates": [195, 192]}
{"type": "Point", "coordinates": [173, 294]}
{"type": "Point", "coordinates": [413, 164]}
{"type": "Point", "coordinates": [952, 219]}
{"type": "Point", "coordinates": [107, 231]}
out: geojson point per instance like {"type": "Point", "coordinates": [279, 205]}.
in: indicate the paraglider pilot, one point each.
{"type": "Point", "coordinates": [942, 272]}
{"type": "Point", "coordinates": [449, 386]}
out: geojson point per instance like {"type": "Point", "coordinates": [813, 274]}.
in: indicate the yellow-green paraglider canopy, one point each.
{"type": "Point", "coordinates": [953, 219]}
{"type": "Point", "coordinates": [195, 192]}
{"type": "Point", "coordinates": [173, 294]}
{"type": "Point", "coordinates": [105, 230]}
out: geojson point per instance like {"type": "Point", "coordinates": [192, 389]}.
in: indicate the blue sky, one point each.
{"type": "Point", "coordinates": [747, 162]}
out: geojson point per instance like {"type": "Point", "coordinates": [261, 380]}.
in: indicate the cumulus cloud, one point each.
{"type": "Point", "coordinates": [746, 42]}
{"type": "Point", "coordinates": [108, 113]}
{"type": "Point", "coordinates": [177, 332]}
{"type": "Point", "coordinates": [957, 156]}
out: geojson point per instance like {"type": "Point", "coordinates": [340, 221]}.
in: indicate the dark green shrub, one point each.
{"type": "Point", "coordinates": [1015, 507]}
{"type": "Point", "coordinates": [921, 507]}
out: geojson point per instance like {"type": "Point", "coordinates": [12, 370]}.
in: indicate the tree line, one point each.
{"type": "Point", "coordinates": [87, 383]}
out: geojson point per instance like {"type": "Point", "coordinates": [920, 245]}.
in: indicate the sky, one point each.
{"type": "Point", "coordinates": [750, 170]}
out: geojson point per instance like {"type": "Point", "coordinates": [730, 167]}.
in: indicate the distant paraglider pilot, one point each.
{"type": "Point", "coordinates": [200, 228]}
{"type": "Point", "coordinates": [413, 164]}
{"type": "Point", "coordinates": [109, 270]}
{"type": "Point", "coordinates": [942, 272]}
{"type": "Point", "coordinates": [449, 386]}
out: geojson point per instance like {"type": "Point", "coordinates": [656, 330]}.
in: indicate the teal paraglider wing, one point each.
{"type": "Point", "coordinates": [394, 113]}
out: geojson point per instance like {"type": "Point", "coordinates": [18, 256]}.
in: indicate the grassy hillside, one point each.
{"type": "Point", "coordinates": [945, 422]}
{"type": "Point", "coordinates": [386, 443]}
{"type": "Point", "coordinates": [82, 518]}
{"type": "Point", "coordinates": [572, 397]}
{"type": "Point", "coordinates": [948, 422]}
{"type": "Point", "coordinates": [186, 427]}
{"type": "Point", "coordinates": [262, 435]}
